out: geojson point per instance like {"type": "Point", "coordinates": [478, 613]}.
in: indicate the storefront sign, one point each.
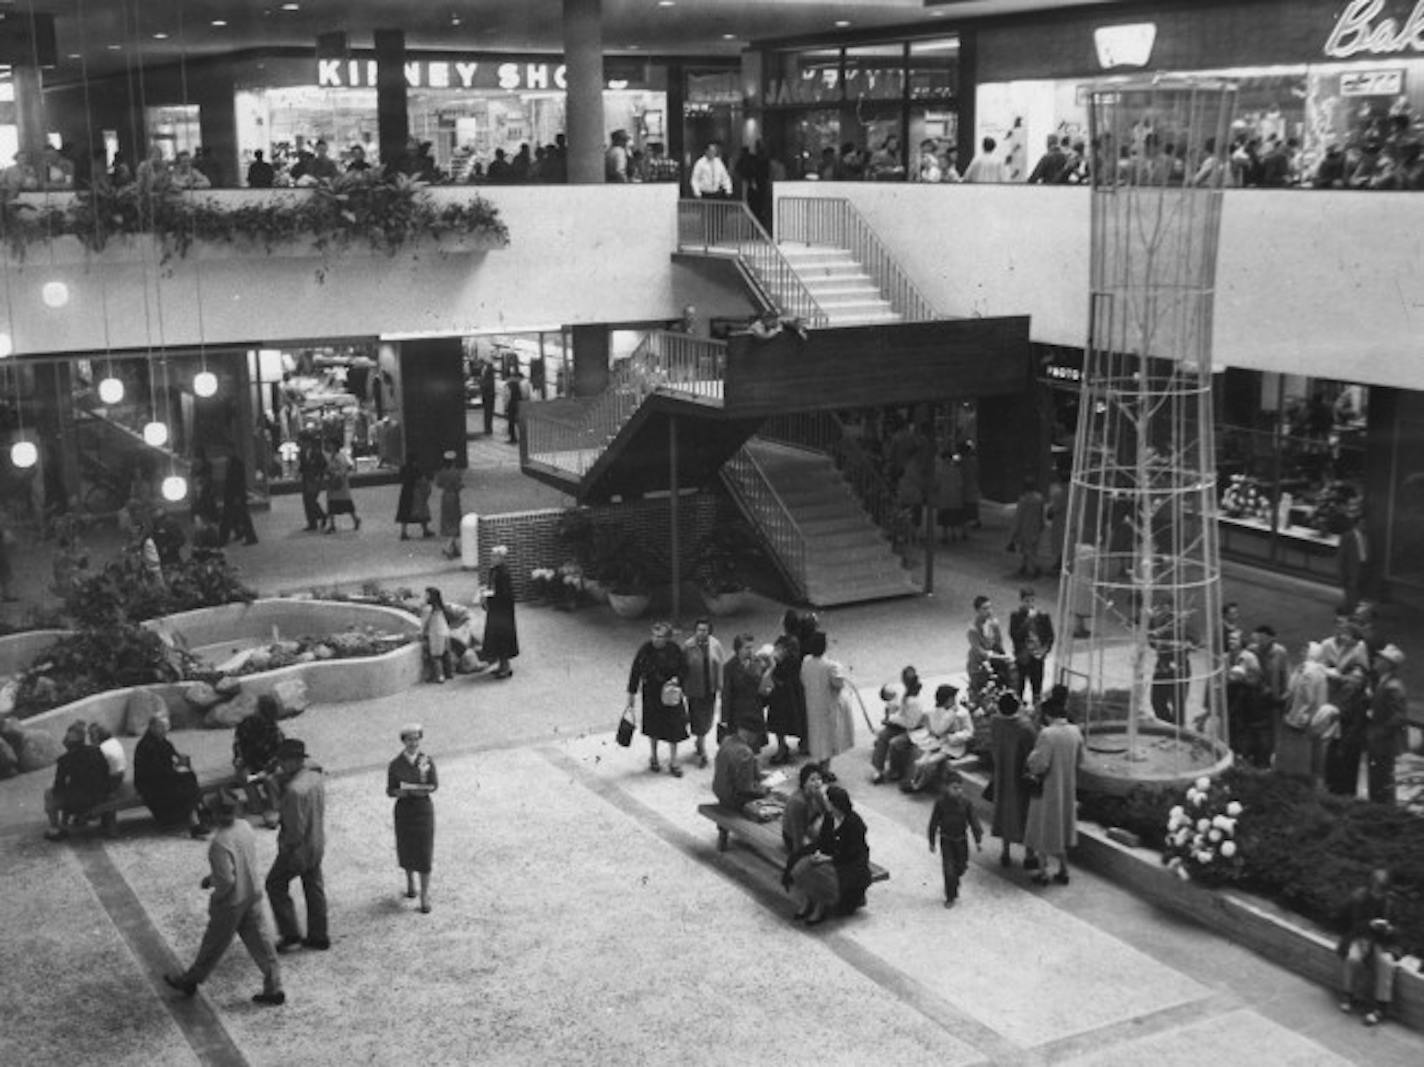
{"type": "Point", "coordinates": [444, 74]}
{"type": "Point", "coordinates": [1125, 46]}
{"type": "Point", "coordinates": [1357, 32]}
{"type": "Point", "coordinates": [1372, 83]}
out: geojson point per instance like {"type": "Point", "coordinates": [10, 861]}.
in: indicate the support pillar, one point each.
{"type": "Point", "coordinates": [392, 116]}
{"type": "Point", "coordinates": [590, 344]}
{"type": "Point", "coordinates": [583, 62]}
{"type": "Point", "coordinates": [29, 111]}
{"type": "Point", "coordinates": [675, 540]}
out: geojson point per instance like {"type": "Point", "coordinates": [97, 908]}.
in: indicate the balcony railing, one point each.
{"type": "Point", "coordinates": [835, 222]}
{"type": "Point", "coordinates": [748, 483]}
{"type": "Point", "coordinates": [726, 227]}
{"type": "Point", "coordinates": [570, 435]}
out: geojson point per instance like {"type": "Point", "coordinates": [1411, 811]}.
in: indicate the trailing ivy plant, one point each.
{"type": "Point", "coordinates": [367, 209]}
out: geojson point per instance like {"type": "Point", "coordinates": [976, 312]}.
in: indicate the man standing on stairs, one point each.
{"type": "Point", "coordinates": [710, 179]}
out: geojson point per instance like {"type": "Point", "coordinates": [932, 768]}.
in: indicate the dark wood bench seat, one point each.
{"type": "Point", "coordinates": [126, 798]}
{"type": "Point", "coordinates": [764, 839]}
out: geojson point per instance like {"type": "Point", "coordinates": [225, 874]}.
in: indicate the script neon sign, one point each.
{"type": "Point", "coordinates": [1358, 32]}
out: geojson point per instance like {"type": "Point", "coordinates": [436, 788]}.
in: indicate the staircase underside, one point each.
{"type": "Point", "coordinates": [848, 558]}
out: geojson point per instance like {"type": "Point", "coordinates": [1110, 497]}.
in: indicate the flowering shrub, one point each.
{"type": "Point", "coordinates": [541, 582]}
{"type": "Point", "coordinates": [1201, 834]}
{"type": "Point", "coordinates": [1245, 499]}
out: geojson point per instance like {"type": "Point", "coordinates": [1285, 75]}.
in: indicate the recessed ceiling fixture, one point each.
{"type": "Point", "coordinates": [72, 55]}
{"type": "Point", "coordinates": [667, 3]}
{"type": "Point", "coordinates": [729, 36]}
{"type": "Point", "coordinates": [455, 20]}
{"type": "Point", "coordinates": [113, 47]}
{"type": "Point", "coordinates": [291, 7]}
{"type": "Point", "coordinates": [160, 36]}
{"type": "Point", "coordinates": [842, 23]}
{"type": "Point", "coordinates": [220, 23]}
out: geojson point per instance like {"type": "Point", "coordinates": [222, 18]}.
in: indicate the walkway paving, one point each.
{"type": "Point", "coordinates": [582, 914]}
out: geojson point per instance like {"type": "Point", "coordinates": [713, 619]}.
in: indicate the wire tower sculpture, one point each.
{"type": "Point", "coordinates": [1140, 612]}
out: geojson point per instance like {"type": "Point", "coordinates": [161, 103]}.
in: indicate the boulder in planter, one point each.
{"type": "Point", "coordinates": [629, 605]}
{"type": "Point", "coordinates": [227, 715]}
{"type": "Point", "coordinates": [9, 762]}
{"type": "Point", "coordinates": [292, 699]}
{"type": "Point", "coordinates": [8, 692]}
{"type": "Point", "coordinates": [38, 750]}
{"type": "Point", "coordinates": [229, 685]}
{"type": "Point", "coordinates": [10, 732]}
{"type": "Point", "coordinates": [201, 696]}
{"type": "Point", "coordinates": [143, 704]}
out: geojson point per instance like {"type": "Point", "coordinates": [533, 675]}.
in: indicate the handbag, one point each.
{"type": "Point", "coordinates": [671, 695]}
{"type": "Point", "coordinates": [988, 794]}
{"type": "Point", "coordinates": [625, 729]}
{"type": "Point", "coordinates": [1034, 782]}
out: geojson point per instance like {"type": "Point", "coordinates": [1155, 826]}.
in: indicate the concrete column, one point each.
{"type": "Point", "coordinates": [29, 111]}
{"type": "Point", "coordinates": [583, 60]}
{"type": "Point", "coordinates": [392, 116]}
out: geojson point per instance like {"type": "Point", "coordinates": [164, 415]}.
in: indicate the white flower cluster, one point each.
{"type": "Point", "coordinates": [542, 574]}
{"type": "Point", "coordinates": [1201, 832]}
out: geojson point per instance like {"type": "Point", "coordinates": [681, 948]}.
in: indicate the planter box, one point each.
{"type": "Point", "coordinates": [1283, 938]}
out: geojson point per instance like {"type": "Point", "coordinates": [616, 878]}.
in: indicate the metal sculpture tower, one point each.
{"type": "Point", "coordinates": [1139, 613]}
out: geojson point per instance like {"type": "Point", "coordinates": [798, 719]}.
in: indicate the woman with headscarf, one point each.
{"type": "Point", "coordinates": [1052, 827]}
{"type": "Point", "coordinates": [742, 678]}
{"type": "Point", "coordinates": [1306, 693]}
{"type": "Point", "coordinates": [410, 779]}
{"type": "Point", "coordinates": [842, 843]}
{"type": "Point", "coordinates": [501, 641]}
{"type": "Point", "coordinates": [656, 675]}
{"type": "Point", "coordinates": [1011, 737]}
{"type": "Point", "coordinates": [165, 778]}
{"type": "Point", "coordinates": [414, 502]}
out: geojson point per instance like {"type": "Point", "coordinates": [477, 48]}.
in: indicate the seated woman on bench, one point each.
{"type": "Point", "coordinates": [165, 779]}
{"type": "Point", "coordinates": [81, 780]}
{"type": "Point", "coordinates": [841, 843]}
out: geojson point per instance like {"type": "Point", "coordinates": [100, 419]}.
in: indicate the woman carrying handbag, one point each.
{"type": "Point", "coordinates": [657, 673]}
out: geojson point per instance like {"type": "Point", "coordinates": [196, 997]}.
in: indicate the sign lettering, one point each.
{"type": "Point", "coordinates": [1361, 30]}
{"type": "Point", "coordinates": [444, 74]}
{"type": "Point", "coordinates": [1372, 83]}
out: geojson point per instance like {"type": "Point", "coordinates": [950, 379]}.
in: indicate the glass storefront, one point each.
{"type": "Point", "coordinates": [1290, 466]}
{"type": "Point", "coordinates": [881, 112]}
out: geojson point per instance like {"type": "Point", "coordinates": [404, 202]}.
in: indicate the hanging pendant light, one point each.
{"type": "Point", "coordinates": [55, 294]}
{"type": "Point", "coordinates": [24, 454]}
{"type": "Point", "coordinates": [111, 390]}
{"type": "Point", "coordinates": [175, 488]}
{"type": "Point", "coordinates": [205, 384]}
{"type": "Point", "coordinates": [155, 433]}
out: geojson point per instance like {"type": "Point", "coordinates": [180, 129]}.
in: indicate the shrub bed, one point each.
{"type": "Point", "coordinates": [1303, 848]}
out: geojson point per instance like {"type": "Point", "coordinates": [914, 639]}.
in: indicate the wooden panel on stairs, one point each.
{"type": "Point", "coordinates": [861, 366]}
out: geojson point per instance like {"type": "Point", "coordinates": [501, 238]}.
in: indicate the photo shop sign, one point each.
{"type": "Point", "coordinates": [1364, 29]}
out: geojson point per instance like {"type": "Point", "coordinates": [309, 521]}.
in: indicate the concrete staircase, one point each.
{"type": "Point", "coordinates": [839, 284]}
{"type": "Point", "coordinates": [848, 558]}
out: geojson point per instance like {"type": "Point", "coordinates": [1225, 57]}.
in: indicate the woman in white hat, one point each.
{"type": "Point", "coordinates": [411, 779]}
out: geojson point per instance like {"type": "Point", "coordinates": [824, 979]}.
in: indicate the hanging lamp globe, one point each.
{"type": "Point", "coordinates": [111, 390]}
{"type": "Point", "coordinates": [205, 384]}
{"type": "Point", "coordinates": [24, 454]}
{"type": "Point", "coordinates": [155, 434]}
{"type": "Point", "coordinates": [55, 294]}
{"type": "Point", "coordinates": [175, 488]}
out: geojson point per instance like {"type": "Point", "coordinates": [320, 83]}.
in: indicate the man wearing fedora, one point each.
{"type": "Point", "coordinates": [1388, 721]}
{"type": "Point", "coordinates": [301, 841]}
{"type": "Point", "coordinates": [234, 908]}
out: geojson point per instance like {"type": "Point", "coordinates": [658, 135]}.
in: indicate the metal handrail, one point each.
{"type": "Point", "coordinates": [747, 481]}
{"type": "Point", "coordinates": [836, 222]}
{"type": "Point", "coordinates": [662, 362]}
{"type": "Point", "coordinates": [823, 431]}
{"type": "Point", "coordinates": [728, 227]}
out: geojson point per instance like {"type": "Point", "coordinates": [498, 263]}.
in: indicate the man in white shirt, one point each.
{"type": "Point", "coordinates": [985, 167]}
{"type": "Point", "coordinates": [709, 175]}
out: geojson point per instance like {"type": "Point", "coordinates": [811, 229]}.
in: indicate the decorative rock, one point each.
{"type": "Point", "coordinates": [181, 716]}
{"type": "Point", "coordinates": [10, 732]}
{"type": "Point", "coordinates": [201, 696]}
{"type": "Point", "coordinates": [226, 716]}
{"type": "Point", "coordinates": [323, 652]}
{"type": "Point", "coordinates": [259, 659]}
{"type": "Point", "coordinates": [9, 762]}
{"type": "Point", "coordinates": [292, 699]}
{"type": "Point", "coordinates": [306, 657]}
{"type": "Point", "coordinates": [39, 750]}
{"type": "Point", "coordinates": [8, 692]}
{"type": "Point", "coordinates": [143, 705]}
{"type": "Point", "coordinates": [228, 686]}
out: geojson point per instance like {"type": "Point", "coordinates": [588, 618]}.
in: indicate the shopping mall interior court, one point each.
{"type": "Point", "coordinates": [581, 911]}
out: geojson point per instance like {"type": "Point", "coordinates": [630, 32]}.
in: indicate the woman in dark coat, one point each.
{"type": "Point", "coordinates": [786, 702]}
{"type": "Point", "coordinates": [411, 779]}
{"type": "Point", "coordinates": [841, 842]}
{"type": "Point", "coordinates": [658, 662]}
{"type": "Point", "coordinates": [1011, 740]}
{"type": "Point", "coordinates": [236, 518]}
{"type": "Point", "coordinates": [501, 643]}
{"type": "Point", "coordinates": [414, 502]}
{"type": "Point", "coordinates": [165, 779]}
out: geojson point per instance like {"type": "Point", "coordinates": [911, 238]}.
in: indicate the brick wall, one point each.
{"type": "Point", "coordinates": [531, 541]}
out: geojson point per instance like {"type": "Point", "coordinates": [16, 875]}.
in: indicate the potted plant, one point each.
{"type": "Point", "coordinates": [624, 564]}
{"type": "Point", "coordinates": [577, 534]}
{"type": "Point", "coordinates": [720, 566]}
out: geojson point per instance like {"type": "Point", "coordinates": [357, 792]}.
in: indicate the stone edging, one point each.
{"type": "Point", "coordinates": [1289, 941]}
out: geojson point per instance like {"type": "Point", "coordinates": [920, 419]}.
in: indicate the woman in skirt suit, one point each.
{"type": "Point", "coordinates": [411, 779]}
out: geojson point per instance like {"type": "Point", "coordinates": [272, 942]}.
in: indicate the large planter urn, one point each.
{"type": "Point", "coordinates": [629, 605]}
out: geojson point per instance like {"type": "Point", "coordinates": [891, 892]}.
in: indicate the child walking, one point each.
{"type": "Point", "coordinates": [952, 820]}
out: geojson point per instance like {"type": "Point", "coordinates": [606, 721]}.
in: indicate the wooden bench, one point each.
{"type": "Point", "coordinates": [764, 839]}
{"type": "Point", "coordinates": [126, 798]}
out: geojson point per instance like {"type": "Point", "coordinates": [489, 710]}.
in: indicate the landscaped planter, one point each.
{"type": "Point", "coordinates": [19, 650]}
{"type": "Point", "coordinates": [629, 605]}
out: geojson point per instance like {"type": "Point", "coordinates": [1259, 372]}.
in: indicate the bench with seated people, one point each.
{"type": "Point", "coordinates": [764, 839]}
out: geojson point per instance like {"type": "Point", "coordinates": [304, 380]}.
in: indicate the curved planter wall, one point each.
{"type": "Point", "coordinates": [330, 681]}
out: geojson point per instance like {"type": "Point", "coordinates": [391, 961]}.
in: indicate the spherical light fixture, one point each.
{"type": "Point", "coordinates": [175, 488]}
{"type": "Point", "coordinates": [55, 294]}
{"type": "Point", "coordinates": [111, 390]}
{"type": "Point", "coordinates": [24, 454]}
{"type": "Point", "coordinates": [7, 346]}
{"type": "Point", "coordinates": [155, 434]}
{"type": "Point", "coordinates": [205, 383]}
